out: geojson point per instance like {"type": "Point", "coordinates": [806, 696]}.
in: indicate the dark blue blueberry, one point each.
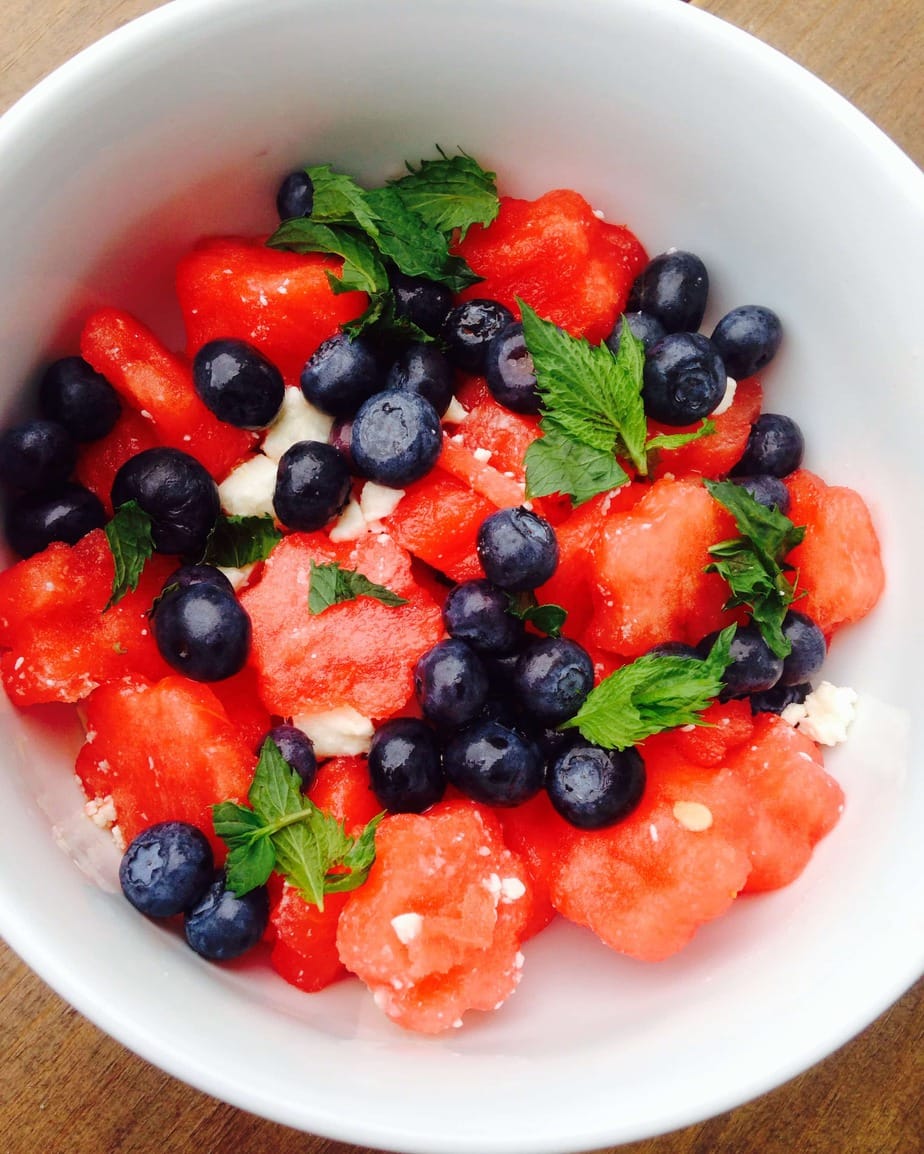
{"type": "Point", "coordinates": [808, 652]}
{"type": "Point", "coordinates": [237, 382]}
{"type": "Point", "coordinates": [340, 374]}
{"type": "Point", "coordinates": [312, 485]}
{"type": "Point", "coordinates": [222, 926]}
{"type": "Point", "coordinates": [295, 197]}
{"type": "Point", "coordinates": [405, 766]}
{"type": "Point", "coordinates": [683, 379]}
{"type": "Point", "coordinates": [81, 399]}
{"type": "Point", "coordinates": [552, 678]}
{"type": "Point", "coordinates": [202, 631]}
{"type": "Point", "coordinates": [592, 787]}
{"type": "Point", "coordinates": [506, 713]}
{"type": "Point", "coordinates": [468, 330]}
{"type": "Point", "coordinates": [500, 668]}
{"type": "Point", "coordinates": [66, 514]}
{"type": "Point", "coordinates": [166, 869]}
{"type": "Point", "coordinates": [36, 455]}
{"type": "Point", "coordinates": [177, 494]}
{"type": "Point", "coordinates": [451, 683]}
{"type": "Point", "coordinates": [509, 371]}
{"type": "Point", "coordinates": [776, 699]}
{"type": "Point", "coordinates": [197, 575]}
{"type": "Point", "coordinates": [341, 437]}
{"type": "Point", "coordinates": [673, 288]}
{"type": "Point", "coordinates": [423, 302]}
{"type": "Point", "coordinates": [494, 765]}
{"type": "Point", "coordinates": [477, 612]}
{"type": "Point", "coordinates": [298, 750]}
{"type": "Point", "coordinates": [754, 666]}
{"type": "Point", "coordinates": [552, 741]}
{"type": "Point", "coordinates": [396, 438]}
{"type": "Point", "coordinates": [423, 369]}
{"type": "Point", "coordinates": [518, 550]}
{"type": "Point", "coordinates": [673, 649]}
{"type": "Point", "coordinates": [775, 445]}
{"type": "Point", "coordinates": [766, 490]}
{"type": "Point", "coordinates": [747, 339]}
{"type": "Point", "coordinates": [644, 326]}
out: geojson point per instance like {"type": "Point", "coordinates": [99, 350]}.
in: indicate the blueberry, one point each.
{"type": "Point", "coordinates": [202, 631]}
{"type": "Point", "coordinates": [405, 766]}
{"type": "Point", "coordinates": [644, 326]}
{"type": "Point", "coordinates": [167, 868]}
{"type": "Point", "coordinates": [340, 374]}
{"type": "Point", "coordinates": [451, 683]}
{"type": "Point", "coordinates": [188, 575]}
{"type": "Point", "coordinates": [518, 550]}
{"type": "Point", "coordinates": [423, 369]}
{"type": "Point", "coordinates": [81, 399]}
{"type": "Point", "coordinates": [552, 678]}
{"type": "Point", "coordinates": [66, 514]}
{"type": "Point", "coordinates": [222, 926]}
{"type": "Point", "coordinates": [673, 649]}
{"type": "Point", "coordinates": [176, 492]}
{"type": "Point", "coordinates": [423, 302]}
{"type": "Point", "coordinates": [295, 197]}
{"type": "Point", "coordinates": [312, 485]}
{"type": "Point", "coordinates": [36, 455]}
{"type": "Point", "coordinates": [468, 330]}
{"type": "Point", "coordinates": [396, 438]}
{"type": "Point", "coordinates": [776, 699]}
{"type": "Point", "coordinates": [494, 765]}
{"type": "Point", "coordinates": [808, 652]}
{"type": "Point", "coordinates": [298, 750]}
{"type": "Point", "coordinates": [477, 612]}
{"type": "Point", "coordinates": [766, 490]}
{"type": "Point", "coordinates": [754, 666]}
{"type": "Point", "coordinates": [509, 371]}
{"type": "Point", "coordinates": [673, 288]}
{"type": "Point", "coordinates": [683, 379]}
{"type": "Point", "coordinates": [747, 339]}
{"type": "Point", "coordinates": [775, 445]}
{"type": "Point", "coordinates": [237, 382]}
{"type": "Point", "coordinates": [341, 437]}
{"type": "Point", "coordinates": [592, 787]}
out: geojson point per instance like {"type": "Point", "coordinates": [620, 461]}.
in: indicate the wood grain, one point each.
{"type": "Point", "coordinates": [66, 1087]}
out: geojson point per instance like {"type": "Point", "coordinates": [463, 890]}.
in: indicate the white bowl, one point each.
{"type": "Point", "coordinates": [181, 124]}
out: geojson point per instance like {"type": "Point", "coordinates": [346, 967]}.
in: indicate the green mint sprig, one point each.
{"type": "Point", "coordinates": [236, 541]}
{"type": "Point", "coordinates": [330, 584]}
{"type": "Point", "coordinates": [548, 619]}
{"type": "Point", "coordinates": [131, 545]}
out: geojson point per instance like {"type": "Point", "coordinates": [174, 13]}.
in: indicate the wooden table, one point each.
{"type": "Point", "coordinates": [66, 1087]}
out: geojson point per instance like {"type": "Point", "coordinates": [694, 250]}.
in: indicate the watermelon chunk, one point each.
{"type": "Point", "coordinates": [713, 456]}
{"type": "Point", "coordinates": [304, 949]}
{"type": "Point", "coordinates": [99, 461]}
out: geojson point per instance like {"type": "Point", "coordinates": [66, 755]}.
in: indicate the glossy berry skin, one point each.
{"type": "Point", "coordinates": [222, 926]}
{"type": "Point", "coordinates": [423, 369]}
{"type": "Point", "coordinates": [65, 514]}
{"type": "Point", "coordinates": [518, 550]}
{"type": "Point", "coordinates": [673, 649]}
{"type": "Point", "coordinates": [747, 339]}
{"type": "Point", "coordinates": [422, 302]}
{"type": "Point", "coordinates": [340, 374]}
{"type": "Point", "coordinates": [673, 288]}
{"type": "Point", "coordinates": [177, 494]}
{"type": "Point", "coordinates": [188, 575]}
{"type": "Point", "coordinates": [647, 328]}
{"type": "Point", "coordinates": [312, 485]}
{"type": "Point", "coordinates": [298, 750]}
{"type": "Point", "coordinates": [406, 766]}
{"type": "Point", "coordinates": [36, 455]}
{"type": "Point", "coordinates": [341, 437]}
{"type": "Point", "coordinates": [81, 399]}
{"type": "Point", "coordinates": [295, 197]}
{"type": "Point", "coordinates": [203, 632]}
{"type": "Point", "coordinates": [166, 869]}
{"type": "Point", "coordinates": [766, 490]}
{"type": "Point", "coordinates": [754, 667]}
{"type": "Point", "coordinates": [592, 787]}
{"type": "Point", "coordinates": [552, 678]}
{"type": "Point", "coordinates": [808, 652]}
{"type": "Point", "coordinates": [683, 379]}
{"type": "Point", "coordinates": [451, 683]}
{"type": "Point", "coordinates": [468, 330]}
{"type": "Point", "coordinates": [494, 765]}
{"type": "Point", "coordinates": [396, 438]}
{"type": "Point", "coordinates": [776, 699]}
{"type": "Point", "coordinates": [775, 446]}
{"type": "Point", "coordinates": [477, 612]}
{"type": "Point", "coordinates": [509, 372]}
{"type": "Point", "coordinates": [237, 382]}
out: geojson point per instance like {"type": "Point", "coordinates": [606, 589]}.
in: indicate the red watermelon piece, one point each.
{"type": "Point", "coordinates": [304, 949]}
{"type": "Point", "coordinates": [715, 455]}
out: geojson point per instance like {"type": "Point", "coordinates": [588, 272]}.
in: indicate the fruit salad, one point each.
{"type": "Point", "coordinates": [452, 578]}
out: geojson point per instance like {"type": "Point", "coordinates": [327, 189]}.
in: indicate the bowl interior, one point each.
{"type": "Point", "coordinates": [181, 125]}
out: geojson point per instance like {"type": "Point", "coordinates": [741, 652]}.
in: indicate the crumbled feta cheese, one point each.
{"type": "Point", "coordinates": [483, 455]}
{"type": "Point", "coordinates": [512, 889]}
{"type": "Point", "coordinates": [728, 400]}
{"type": "Point", "coordinates": [340, 732]}
{"type": "Point", "coordinates": [693, 815]}
{"type": "Point", "coordinates": [455, 414]}
{"type": "Point", "coordinates": [101, 811]}
{"type": "Point", "coordinates": [407, 927]}
{"type": "Point", "coordinates": [378, 501]}
{"type": "Point", "coordinates": [237, 577]}
{"type": "Point", "coordinates": [351, 523]}
{"type": "Point", "coordinates": [298, 420]}
{"type": "Point", "coordinates": [825, 715]}
{"type": "Point", "coordinates": [248, 490]}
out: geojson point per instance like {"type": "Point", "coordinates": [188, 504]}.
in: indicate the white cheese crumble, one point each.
{"type": "Point", "coordinates": [378, 501]}
{"type": "Point", "coordinates": [503, 890]}
{"type": "Point", "coordinates": [407, 927]}
{"type": "Point", "coordinates": [351, 523]}
{"type": "Point", "coordinates": [101, 811]}
{"type": "Point", "coordinates": [340, 732]}
{"type": "Point", "coordinates": [455, 414]}
{"type": "Point", "coordinates": [237, 577]}
{"type": "Point", "coordinates": [483, 455]}
{"type": "Point", "coordinates": [298, 420]}
{"type": "Point", "coordinates": [693, 815]}
{"type": "Point", "coordinates": [825, 715]}
{"type": "Point", "coordinates": [731, 387]}
{"type": "Point", "coordinates": [248, 490]}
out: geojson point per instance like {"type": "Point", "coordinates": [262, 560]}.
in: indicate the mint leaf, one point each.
{"type": "Point", "coordinates": [236, 541]}
{"type": "Point", "coordinates": [251, 857]}
{"type": "Point", "coordinates": [557, 463]}
{"type": "Point", "coordinates": [453, 192]}
{"type": "Point", "coordinates": [338, 199]}
{"type": "Point", "coordinates": [131, 544]}
{"type": "Point", "coordinates": [332, 585]}
{"type": "Point", "coordinates": [678, 440]}
{"type": "Point", "coordinates": [363, 270]}
{"type": "Point", "coordinates": [358, 860]}
{"type": "Point", "coordinates": [652, 694]}
{"type": "Point", "coordinates": [546, 618]}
